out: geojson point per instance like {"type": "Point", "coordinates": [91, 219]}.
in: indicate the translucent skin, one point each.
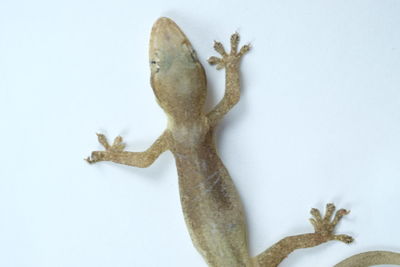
{"type": "Point", "coordinates": [211, 205]}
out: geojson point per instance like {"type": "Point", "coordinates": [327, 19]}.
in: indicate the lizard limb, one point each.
{"type": "Point", "coordinates": [324, 228]}
{"type": "Point", "coordinates": [116, 153]}
{"type": "Point", "coordinates": [231, 64]}
{"type": "Point", "coordinates": [371, 258]}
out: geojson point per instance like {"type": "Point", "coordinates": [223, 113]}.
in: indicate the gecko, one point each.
{"type": "Point", "coordinates": [211, 205]}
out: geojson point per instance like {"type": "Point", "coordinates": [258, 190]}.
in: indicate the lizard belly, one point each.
{"type": "Point", "coordinates": [212, 209]}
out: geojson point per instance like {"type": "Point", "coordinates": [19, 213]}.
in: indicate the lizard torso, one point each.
{"type": "Point", "coordinates": [211, 206]}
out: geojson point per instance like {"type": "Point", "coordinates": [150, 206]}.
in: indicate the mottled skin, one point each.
{"type": "Point", "coordinates": [211, 205]}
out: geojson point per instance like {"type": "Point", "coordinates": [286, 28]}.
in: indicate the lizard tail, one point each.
{"type": "Point", "coordinates": [371, 258]}
{"type": "Point", "coordinates": [366, 259]}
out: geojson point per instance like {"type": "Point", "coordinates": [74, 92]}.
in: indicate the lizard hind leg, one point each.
{"type": "Point", "coordinates": [324, 227]}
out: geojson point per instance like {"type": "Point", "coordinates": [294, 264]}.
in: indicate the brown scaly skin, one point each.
{"type": "Point", "coordinates": [211, 205]}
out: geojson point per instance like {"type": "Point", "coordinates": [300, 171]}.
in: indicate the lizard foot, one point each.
{"type": "Point", "coordinates": [97, 156]}
{"type": "Point", "coordinates": [233, 58]}
{"type": "Point", "coordinates": [325, 226]}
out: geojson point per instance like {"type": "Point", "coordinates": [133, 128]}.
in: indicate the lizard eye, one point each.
{"type": "Point", "coordinates": [155, 63]}
{"type": "Point", "coordinates": [154, 66]}
{"type": "Point", "coordinates": [193, 55]}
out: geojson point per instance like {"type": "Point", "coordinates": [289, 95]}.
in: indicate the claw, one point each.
{"type": "Point", "coordinates": [344, 238]}
{"type": "Point", "coordinates": [92, 159]}
{"type": "Point", "coordinates": [118, 145]}
{"type": "Point", "coordinates": [330, 209]}
{"type": "Point", "coordinates": [339, 215]}
{"type": "Point", "coordinates": [316, 214]}
{"type": "Point", "coordinates": [214, 60]}
{"type": "Point", "coordinates": [117, 140]}
{"type": "Point", "coordinates": [244, 50]}
{"type": "Point", "coordinates": [234, 42]}
{"type": "Point", "coordinates": [219, 48]}
{"type": "Point", "coordinates": [103, 140]}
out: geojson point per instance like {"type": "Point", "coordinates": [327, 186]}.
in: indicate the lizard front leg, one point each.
{"type": "Point", "coordinates": [116, 153]}
{"type": "Point", "coordinates": [231, 63]}
{"type": "Point", "coordinates": [324, 231]}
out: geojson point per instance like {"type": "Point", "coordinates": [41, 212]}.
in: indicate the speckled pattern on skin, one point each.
{"type": "Point", "coordinates": [211, 206]}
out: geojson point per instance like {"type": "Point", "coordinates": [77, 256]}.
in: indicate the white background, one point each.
{"type": "Point", "coordinates": [318, 122]}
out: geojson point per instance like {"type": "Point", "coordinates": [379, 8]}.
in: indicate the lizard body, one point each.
{"type": "Point", "coordinates": [211, 205]}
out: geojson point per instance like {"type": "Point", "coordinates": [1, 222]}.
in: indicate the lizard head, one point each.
{"type": "Point", "coordinates": [177, 77]}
